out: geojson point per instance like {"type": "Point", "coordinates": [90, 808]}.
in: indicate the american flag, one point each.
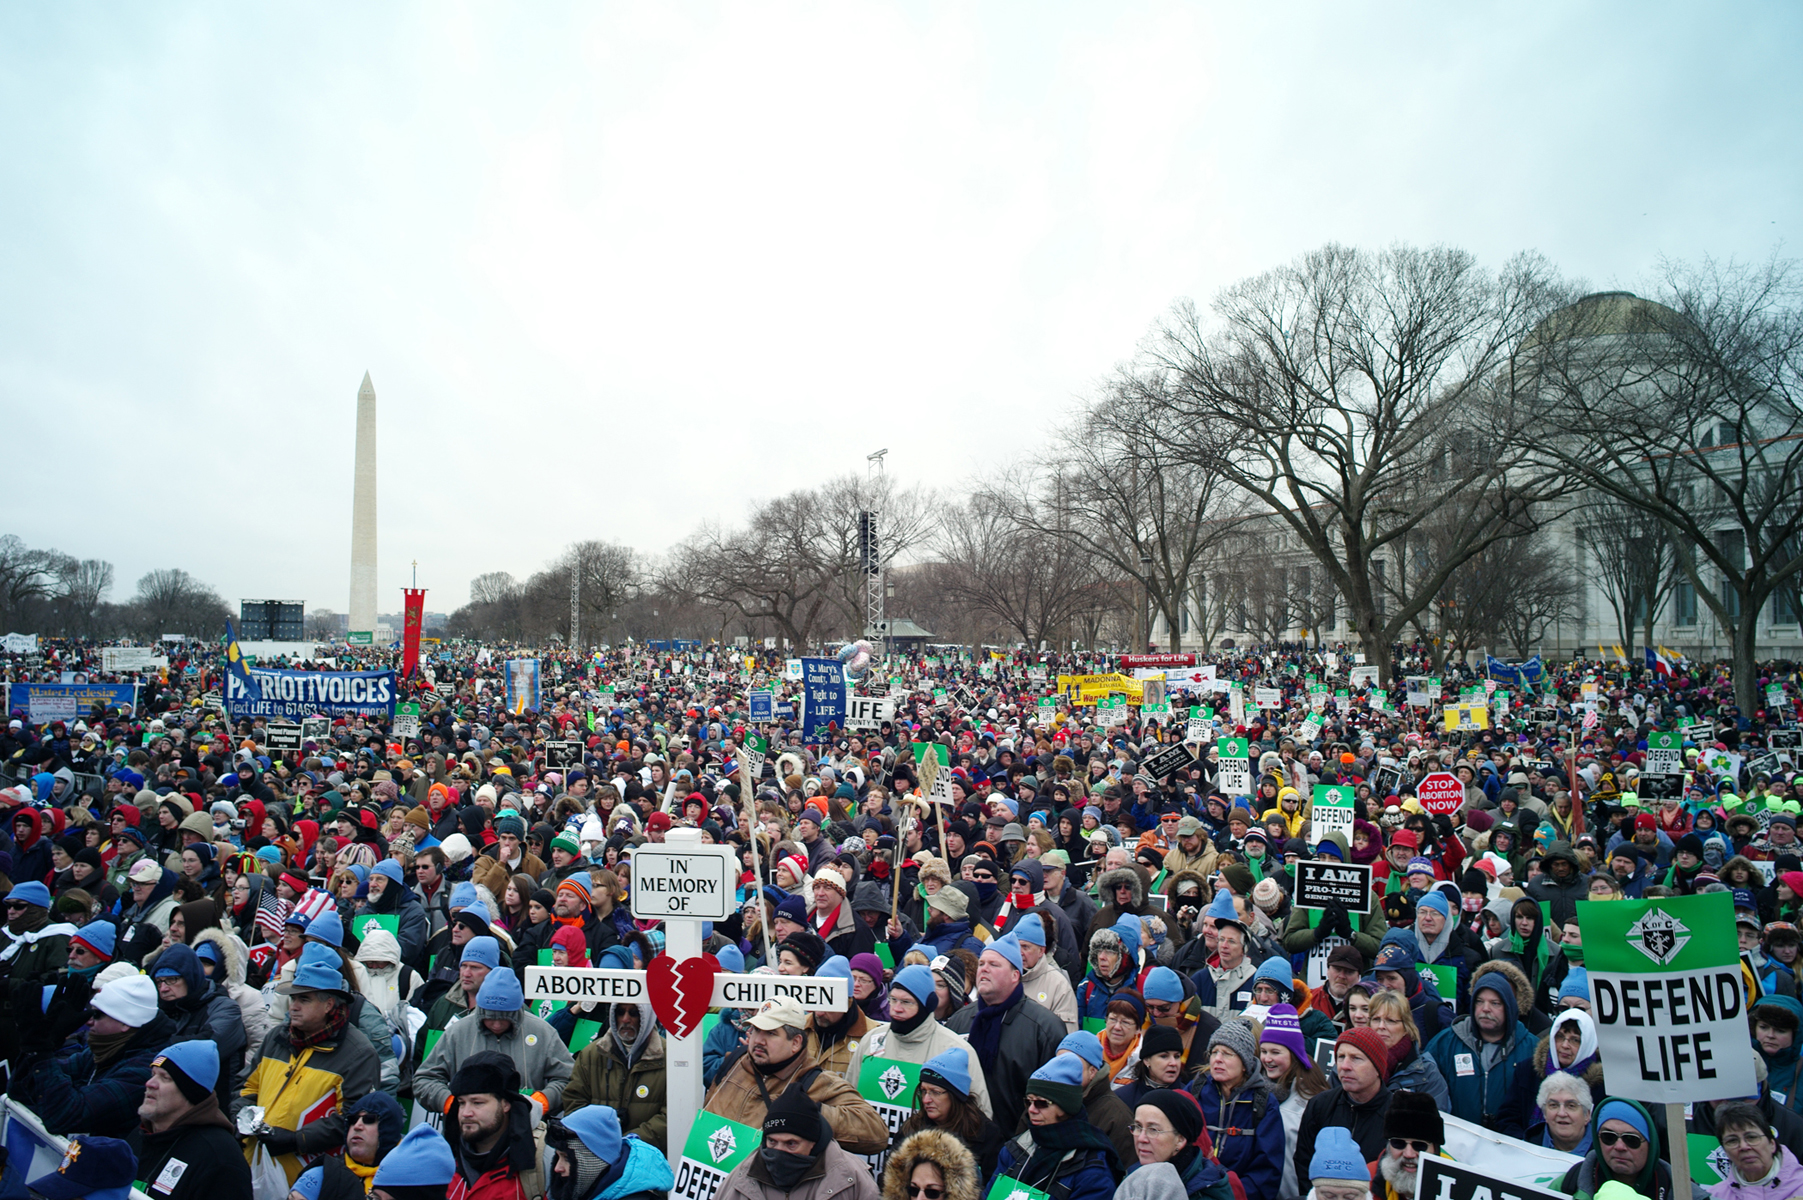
{"type": "Point", "coordinates": [271, 913]}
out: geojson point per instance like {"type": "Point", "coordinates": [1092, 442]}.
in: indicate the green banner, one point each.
{"type": "Point", "coordinates": [942, 753]}
{"type": "Point", "coordinates": [389, 921]}
{"type": "Point", "coordinates": [1708, 1160]}
{"type": "Point", "coordinates": [719, 1143]}
{"type": "Point", "coordinates": [1005, 1188]}
{"type": "Point", "coordinates": [1446, 979]}
{"type": "Point", "coordinates": [888, 1081]}
{"type": "Point", "coordinates": [584, 1032]}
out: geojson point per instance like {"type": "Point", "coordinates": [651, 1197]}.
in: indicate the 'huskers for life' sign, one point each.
{"type": "Point", "coordinates": [1668, 997]}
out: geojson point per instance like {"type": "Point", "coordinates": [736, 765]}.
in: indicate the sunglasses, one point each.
{"type": "Point", "coordinates": [1608, 1137]}
{"type": "Point", "coordinates": [1036, 1102]}
{"type": "Point", "coordinates": [931, 1193]}
{"type": "Point", "coordinates": [1415, 1144]}
{"type": "Point", "coordinates": [364, 1118]}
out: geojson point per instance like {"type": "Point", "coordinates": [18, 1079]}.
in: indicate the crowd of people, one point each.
{"type": "Point", "coordinates": [237, 971]}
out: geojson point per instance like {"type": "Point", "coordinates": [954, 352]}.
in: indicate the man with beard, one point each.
{"type": "Point", "coordinates": [777, 1061]}
{"type": "Point", "coordinates": [799, 1159]}
{"type": "Point", "coordinates": [595, 1161]}
{"type": "Point", "coordinates": [1412, 1127]}
{"type": "Point", "coordinates": [489, 1128]}
{"type": "Point", "coordinates": [388, 895]}
{"type": "Point", "coordinates": [190, 1150]}
{"type": "Point", "coordinates": [624, 1070]}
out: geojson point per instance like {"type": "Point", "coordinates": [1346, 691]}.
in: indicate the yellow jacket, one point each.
{"type": "Point", "coordinates": [309, 1091]}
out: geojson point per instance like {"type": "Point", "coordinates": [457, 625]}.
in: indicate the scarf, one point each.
{"type": "Point", "coordinates": [33, 918]}
{"type": "Point", "coordinates": [986, 1028]}
{"type": "Point", "coordinates": [105, 1045]}
{"type": "Point", "coordinates": [360, 1171]}
{"type": "Point", "coordinates": [824, 926]}
{"type": "Point", "coordinates": [1051, 1143]}
{"type": "Point", "coordinates": [334, 1027]}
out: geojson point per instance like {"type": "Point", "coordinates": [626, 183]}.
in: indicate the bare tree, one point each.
{"type": "Point", "coordinates": [1636, 564]}
{"type": "Point", "coordinates": [495, 585]}
{"type": "Point", "coordinates": [80, 590]}
{"type": "Point", "coordinates": [170, 600]}
{"type": "Point", "coordinates": [1689, 409]}
{"type": "Point", "coordinates": [1127, 489]}
{"type": "Point", "coordinates": [997, 563]}
{"type": "Point", "coordinates": [25, 575]}
{"type": "Point", "coordinates": [1358, 394]}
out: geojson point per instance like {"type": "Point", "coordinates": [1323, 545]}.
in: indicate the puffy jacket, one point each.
{"type": "Point", "coordinates": [1788, 1182]}
{"type": "Point", "coordinates": [854, 1122]}
{"type": "Point", "coordinates": [1084, 1174]}
{"type": "Point", "coordinates": [252, 1009]}
{"type": "Point", "coordinates": [642, 1173]}
{"type": "Point", "coordinates": [1247, 1132]}
{"type": "Point", "coordinates": [627, 1078]}
{"type": "Point", "coordinates": [927, 1040]}
{"type": "Point", "coordinates": [543, 1059]}
{"type": "Point", "coordinates": [1416, 1072]}
{"type": "Point", "coordinates": [1335, 1107]}
{"type": "Point", "coordinates": [77, 1095]}
{"type": "Point", "coordinates": [951, 935]}
{"type": "Point", "coordinates": [835, 1176]}
{"type": "Point", "coordinates": [307, 1090]}
{"type": "Point", "coordinates": [208, 1013]}
{"type": "Point", "coordinates": [1049, 985]}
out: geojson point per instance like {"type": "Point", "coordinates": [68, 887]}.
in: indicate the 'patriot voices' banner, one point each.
{"type": "Point", "coordinates": [297, 694]}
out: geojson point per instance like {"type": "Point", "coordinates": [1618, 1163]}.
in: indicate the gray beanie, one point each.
{"type": "Point", "coordinates": [1236, 1035]}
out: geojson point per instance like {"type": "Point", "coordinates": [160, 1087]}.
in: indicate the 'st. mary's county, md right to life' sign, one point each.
{"type": "Point", "coordinates": [1669, 998]}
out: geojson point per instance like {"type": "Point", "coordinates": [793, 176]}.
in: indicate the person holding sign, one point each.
{"type": "Point", "coordinates": [1060, 1149]}
{"type": "Point", "coordinates": [1624, 1149]}
{"type": "Point", "coordinates": [798, 1159]}
{"type": "Point", "coordinates": [777, 1061]}
{"type": "Point", "coordinates": [913, 1034]}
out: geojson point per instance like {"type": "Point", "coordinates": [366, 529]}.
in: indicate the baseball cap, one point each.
{"type": "Point", "coordinates": [775, 1014]}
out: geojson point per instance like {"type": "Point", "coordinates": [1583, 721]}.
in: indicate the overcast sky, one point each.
{"type": "Point", "coordinates": [619, 269]}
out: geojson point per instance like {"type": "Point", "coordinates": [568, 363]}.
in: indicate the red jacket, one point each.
{"type": "Point", "coordinates": [498, 1184]}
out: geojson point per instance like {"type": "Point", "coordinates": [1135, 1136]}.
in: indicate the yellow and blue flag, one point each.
{"type": "Point", "coordinates": [234, 665]}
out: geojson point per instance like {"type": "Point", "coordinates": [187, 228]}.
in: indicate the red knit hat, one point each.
{"type": "Point", "coordinates": [1366, 1042]}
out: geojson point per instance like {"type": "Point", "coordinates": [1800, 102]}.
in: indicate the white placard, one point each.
{"type": "Point", "coordinates": [688, 881]}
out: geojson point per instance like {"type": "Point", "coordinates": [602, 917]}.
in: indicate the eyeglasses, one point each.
{"type": "Point", "coordinates": [1736, 1141]}
{"type": "Point", "coordinates": [1415, 1144]}
{"type": "Point", "coordinates": [1632, 1141]}
{"type": "Point", "coordinates": [1149, 1130]}
{"type": "Point", "coordinates": [931, 1193]}
{"type": "Point", "coordinates": [364, 1118]}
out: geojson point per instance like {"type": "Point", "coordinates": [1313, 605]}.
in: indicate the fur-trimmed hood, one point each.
{"type": "Point", "coordinates": [955, 1162]}
{"type": "Point", "coordinates": [228, 950]}
{"type": "Point", "coordinates": [1593, 1074]}
{"type": "Point", "coordinates": [1518, 980]}
{"type": "Point", "coordinates": [1112, 879]}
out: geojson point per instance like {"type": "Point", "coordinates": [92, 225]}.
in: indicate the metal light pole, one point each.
{"type": "Point", "coordinates": [1145, 609]}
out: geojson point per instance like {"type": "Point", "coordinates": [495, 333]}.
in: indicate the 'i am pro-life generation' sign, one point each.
{"type": "Point", "coordinates": [1668, 998]}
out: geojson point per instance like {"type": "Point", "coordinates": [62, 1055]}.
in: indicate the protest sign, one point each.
{"type": "Point", "coordinates": [1169, 760]}
{"type": "Point", "coordinates": [868, 712]}
{"type": "Point", "coordinates": [291, 695]}
{"type": "Point", "coordinates": [406, 721]}
{"type": "Point", "coordinates": [1332, 811]}
{"type": "Point", "coordinates": [282, 737]}
{"type": "Point", "coordinates": [1667, 996]}
{"type": "Point", "coordinates": [823, 704]}
{"type": "Point", "coordinates": [69, 701]}
{"type": "Point", "coordinates": [1320, 883]}
{"type": "Point", "coordinates": [1235, 777]}
{"type": "Point", "coordinates": [715, 1147]}
{"type": "Point", "coordinates": [1418, 696]}
{"type": "Point", "coordinates": [19, 643]}
{"type": "Point", "coordinates": [522, 685]}
{"type": "Point", "coordinates": [131, 658]}
{"type": "Point", "coordinates": [888, 1085]}
{"type": "Point", "coordinates": [1442, 1179]}
{"type": "Point", "coordinates": [1267, 697]}
{"type": "Point", "coordinates": [1440, 793]}
{"type": "Point", "coordinates": [760, 706]}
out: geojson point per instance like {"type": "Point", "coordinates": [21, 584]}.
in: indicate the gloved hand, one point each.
{"type": "Point", "coordinates": [280, 1141]}
{"type": "Point", "coordinates": [1333, 913]}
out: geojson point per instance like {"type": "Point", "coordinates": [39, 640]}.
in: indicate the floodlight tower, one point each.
{"type": "Point", "coordinates": [876, 627]}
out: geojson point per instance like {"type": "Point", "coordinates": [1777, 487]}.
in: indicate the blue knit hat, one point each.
{"type": "Point", "coordinates": [838, 966]}
{"type": "Point", "coordinates": [198, 1060]}
{"type": "Point", "coordinates": [317, 952]}
{"type": "Point", "coordinates": [950, 1069]}
{"type": "Point", "coordinates": [423, 1159]}
{"type": "Point", "coordinates": [731, 959]}
{"type": "Point", "coordinates": [463, 895]}
{"type": "Point", "coordinates": [1436, 901]}
{"type": "Point", "coordinates": [207, 951]}
{"type": "Point", "coordinates": [500, 994]}
{"type": "Point", "coordinates": [1030, 931]}
{"type": "Point", "coordinates": [29, 893]}
{"type": "Point", "coordinates": [308, 1185]}
{"type": "Point", "coordinates": [1008, 948]}
{"type": "Point", "coordinates": [1276, 969]}
{"type": "Point", "coordinates": [483, 950]}
{"type": "Point", "coordinates": [1576, 985]}
{"type": "Point", "coordinates": [1338, 1157]}
{"type": "Point", "coordinates": [1085, 1045]}
{"type": "Point", "coordinates": [327, 928]}
{"type": "Point", "coordinates": [1223, 910]}
{"type": "Point", "coordinates": [1164, 985]}
{"type": "Point", "coordinates": [100, 937]}
{"type": "Point", "coordinates": [390, 870]}
{"type": "Point", "coordinates": [599, 1128]}
{"type": "Point", "coordinates": [917, 981]}
{"type": "Point", "coordinates": [1620, 1110]}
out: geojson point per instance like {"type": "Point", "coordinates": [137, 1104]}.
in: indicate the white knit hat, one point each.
{"type": "Point", "coordinates": [130, 1001]}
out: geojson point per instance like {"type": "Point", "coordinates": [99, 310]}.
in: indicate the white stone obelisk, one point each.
{"type": "Point", "coordinates": [363, 514]}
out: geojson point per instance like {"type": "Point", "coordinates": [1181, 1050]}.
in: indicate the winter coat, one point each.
{"type": "Point", "coordinates": [1335, 1107]}
{"type": "Point", "coordinates": [75, 1095]}
{"type": "Point", "coordinates": [836, 1175]}
{"type": "Point", "coordinates": [1247, 1132]}
{"type": "Point", "coordinates": [1291, 1112]}
{"type": "Point", "coordinates": [543, 1060]}
{"type": "Point", "coordinates": [928, 1040]}
{"type": "Point", "coordinates": [1521, 1109]}
{"type": "Point", "coordinates": [1784, 1184]}
{"type": "Point", "coordinates": [854, 1122]}
{"type": "Point", "coordinates": [307, 1090]}
{"type": "Point", "coordinates": [960, 1168]}
{"type": "Point", "coordinates": [1048, 985]}
{"type": "Point", "coordinates": [1419, 1073]}
{"type": "Point", "coordinates": [1030, 1036]}
{"type": "Point", "coordinates": [206, 1012]}
{"type": "Point", "coordinates": [1082, 1175]}
{"type": "Point", "coordinates": [951, 935]}
{"type": "Point", "coordinates": [640, 1174]}
{"type": "Point", "coordinates": [198, 1158]}
{"type": "Point", "coordinates": [411, 927]}
{"type": "Point", "coordinates": [1480, 1093]}
{"type": "Point", "coordinates": [1225, 992]}
{"type": "Point", "coordinates": [252, 1010]}
{"type": "Point", "coordinates": [849, 935]}
{"type": "Point", "coordinates": [627, 1078]}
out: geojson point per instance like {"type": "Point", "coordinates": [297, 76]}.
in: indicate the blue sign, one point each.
{"type": "Point", "coordinates": [291, 695]}
{"type": "Point", "coordinates": [1524, 673]}
{"type": "Point", "coordinates": [823, 690]}
{"type": "Point", "coordinates": [43, 702]}
{"type": "Point", "coordinates": [762, 705]}
{"type": "Point", "coordinates": [522, 685]}
{"type": "Point", "coordinates": [785, 710]}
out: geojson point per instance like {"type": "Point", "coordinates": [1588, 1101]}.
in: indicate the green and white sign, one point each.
{"type": "Point", "coordinates": [1667, 996]}
{"type": "Point", "coordinates": [888, 1084]}
{"type": "Point", "coordinates": [406, 720]}
{"type": "Point", "coordinates": [1236, 767]}
{"type": "Point", "coordinates": [715, 1147]}
{"type": "Point", "coordinates": [1332, 811]}
{"type": "Point", "coordinates": [1664, 754]}
{"type": "Point", "coordinates": [1005, 1188]}
{"type": "Point", "coordinates": [1112, 710]}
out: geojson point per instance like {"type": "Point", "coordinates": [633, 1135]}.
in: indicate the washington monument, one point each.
{"type": "Point", "coordinates": [363, 514]}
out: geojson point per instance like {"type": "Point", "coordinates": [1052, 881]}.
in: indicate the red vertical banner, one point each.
{"type": "Point", "coordinates": [410, 627]}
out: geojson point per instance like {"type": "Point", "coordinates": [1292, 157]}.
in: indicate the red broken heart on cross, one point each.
{"type": "Point", "coordinates": [681, 992]}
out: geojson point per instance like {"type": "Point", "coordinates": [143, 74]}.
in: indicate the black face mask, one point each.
{"type": "Point", "coordinates": [914, 1022]}
{"type": "Point", "coordinates": [785, 1169]}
